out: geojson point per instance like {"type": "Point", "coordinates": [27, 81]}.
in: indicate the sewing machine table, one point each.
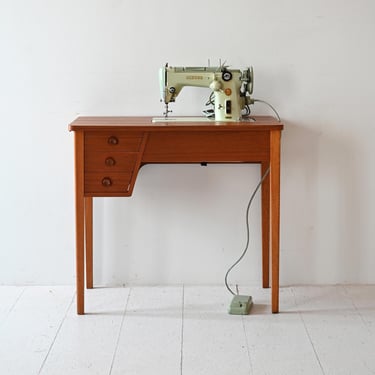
{"type": "Point", "coordinates": [109, 152]}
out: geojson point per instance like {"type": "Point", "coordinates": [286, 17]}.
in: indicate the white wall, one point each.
{"type": "Point", "coordinates": [313, 60]}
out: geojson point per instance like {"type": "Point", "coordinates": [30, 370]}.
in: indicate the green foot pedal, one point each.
{"type": "Point", "coordinates": [240, 305]}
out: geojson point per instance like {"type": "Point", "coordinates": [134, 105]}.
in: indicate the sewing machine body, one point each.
{"type": "Point", "coordinates": [229, 86]}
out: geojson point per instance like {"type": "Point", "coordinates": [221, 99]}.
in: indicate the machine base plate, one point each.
{"type": "Point", "coordinates": [182, 119]}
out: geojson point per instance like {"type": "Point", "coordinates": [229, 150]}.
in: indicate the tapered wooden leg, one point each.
{"type": "Point", "coordinates": [265, 226]}
{"type": "Point", "coordinates": [275, 215]}
{"type": "Point", "coordinates": [80, 261]}
{"type": "Point", "coordinates": [89, 242]}
{"type": "Point", "coordinates": [80, 222]}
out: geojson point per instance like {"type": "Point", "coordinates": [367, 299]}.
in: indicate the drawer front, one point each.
{"type": "Point", "coordinates": [107, 161]}
{"type": "Point", "coordinates": [114, 141]}
{"type": "Point", "coordinates": [210, 146]}
{"type": "Point", "coordinates": [107, 183]}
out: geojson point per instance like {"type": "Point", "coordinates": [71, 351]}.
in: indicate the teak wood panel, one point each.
{"type": "Point", "coordinates": [117, 183]}
{"type": "Point", "coordinates": [111, 162]}
{"type": "Point", "coordinates": [209, 146]}
{"type": "Point", "coordinates": [113, 141]}
{"type": "Point", "coordinates": [144, 123]}
{"type": "Point", "coordinates": [108, 161]}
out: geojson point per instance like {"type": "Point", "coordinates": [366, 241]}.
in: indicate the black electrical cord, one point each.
{"type": "Point", "coordinates": [247, 230]}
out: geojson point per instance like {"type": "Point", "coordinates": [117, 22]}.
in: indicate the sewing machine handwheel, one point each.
{"type": "Point", "coordinates": [250, 83]}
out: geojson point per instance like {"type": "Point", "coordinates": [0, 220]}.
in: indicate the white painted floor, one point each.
{"type": "Point", "coordinates": [186, 330]}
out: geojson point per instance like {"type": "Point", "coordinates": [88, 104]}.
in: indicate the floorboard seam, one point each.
{"type": "Point", "coordinates": [13, 306]}
{"type": "Point", "coordinates": [247, 346]}
{"type": "Point", "coordinates": [56, 334]}
{"type": "Point", "coordinates": [119, 333]}
{"type": "Point", "coordinates": [358, 312]}
{"type": "Point", "coordinates": [182, 329]}
{"type": "Point", "coordinates": [307, 333]}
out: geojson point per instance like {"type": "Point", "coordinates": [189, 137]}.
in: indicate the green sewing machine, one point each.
{"type": "Point", "coordinates": [231, 90]}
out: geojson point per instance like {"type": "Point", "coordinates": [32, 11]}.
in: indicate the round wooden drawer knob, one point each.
{"type": "Point", "coordinates": [112, 140]}
{"type": "Point", "coordinates": [110, 162]}
{"type": "Point", "coordinates": [106, 182]}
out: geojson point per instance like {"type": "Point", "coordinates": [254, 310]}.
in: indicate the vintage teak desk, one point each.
{"type": "Point", "coordinates": [109, 151]}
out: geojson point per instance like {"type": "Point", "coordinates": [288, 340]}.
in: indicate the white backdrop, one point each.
{"type": "Point", "coordinates": [313, 60]}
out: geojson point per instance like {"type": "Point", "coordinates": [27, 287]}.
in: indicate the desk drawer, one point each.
{"type": "Point", "coordinates": [113, 141]}
{"type": "Point", "coordinates": [107, 161]}
{"type": "Point", "coordinates": [208, 146]}
{"type": "Point", "coordinates": [107, 183]}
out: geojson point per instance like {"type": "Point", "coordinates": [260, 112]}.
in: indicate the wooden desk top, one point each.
{"type": "Point", "coordinates": [129, 123]}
